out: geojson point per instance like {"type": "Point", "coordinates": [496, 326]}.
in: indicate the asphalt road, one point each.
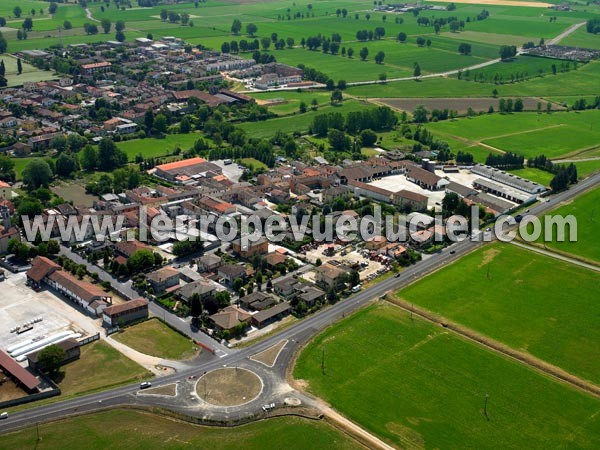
{"type": "Point", "coordinates": [296, 334]}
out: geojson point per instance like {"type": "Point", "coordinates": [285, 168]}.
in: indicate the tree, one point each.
{"type": "Point", "coordinates": [51, 358]}
{"type": "Point", "coordinates": [89, 158]}
{"type": "Point", "coordinates": [289, 42]}
{"type": "Point", "coordinates": [379, 57]}
{"type": "Point", "coordinates": [518, 105]}
{"type": "Point", "coordinates": [66, 164]}
{"type": "Point", "coordinates": [109, 156]}
{"type": "Point", "coordinates": [164, 14]}
{"type": "Point", "coordinates": [338, 140]}
{"type": "Point", "coordinates": [3, 44]}
{"type": "Point", "coordinates": [184, 125]}
{"type": "Point", "coordinates": [368, 138]}
{"type": "Point", "coordinates": [302, 107]}
{"type": "Point", "coordinates": [350, 52]}
{"type": "Point", "coordinates": [507, 52]}
{"type": "Point", "coordinates": [160, 123]}
{"type": "Point", "coordinates": [52, 8]}
{"type": "Point", "coordinates": [421, 41]}
{"type": "Point", "coordinates": [417, 71]}
{"type": "Point", "coordinates": [195, 305]}
{"type": "Point", "coordinates": [420, 114]}
{"type": "Point", "coordinates": [17, 11]}
{"type": "Point", "coordinates": [36, 174]}
{"type": "Point", "coordinates": [266, 43]}
{"type": "Point", "coordinates": [464, 48]}
{"type": "Point", "coordinates": [120, 36]}
{"type": "Point", "coordinates": [251, 29]}
{"type": "Point", "coordinates": [236, 26]}
{"type": "Point", "coordinates": [141, 260]}
{"type": "Point", "coordinates": [336, 96]}
{"type": "Point", "coordinates": [27, 24]}
{"type": "Point", "coordinates": [19, 66]}
{"type": "Point", "coordinates": [364, 52]}
{"type": "Point", "coordinates": [402, 36]}
{"type": "Point", "coordinates": [67, 25]}
{"type": "Point", "coordinates": [120, 25]}
{"type": "Point", "coordinates": [106, 25]}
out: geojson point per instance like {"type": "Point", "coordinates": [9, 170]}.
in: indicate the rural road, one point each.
{"type": "Point", "coordinates": [542, 251]}
{"type": "Point", "coordinates": [274, 378]}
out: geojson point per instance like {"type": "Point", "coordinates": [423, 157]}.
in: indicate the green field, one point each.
{"type": "Point", "coordinates": [585, 209]}
{"type": "Point", "coordinates": [298, 122]}
{"type": "Point", "coordinates": [528, 134]}
{"type": "Point", "coordinates": [536, 175]}
{"type": "Point", "coordinates": [418, 386]}
{"type": "Point", "coordinates": [153, 147]}
{"type": "Point", "coordinates": [100, 366]}
{"type": "Point", "coordinates": [517, 303]}
{"type": "Point", "coordinates": [127, 429]}
{"type": "Point", "coordinates": [154, 338]}
{"type": "Point", "coordinates": [29, 74]}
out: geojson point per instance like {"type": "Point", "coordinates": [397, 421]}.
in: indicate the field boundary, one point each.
{"type": "Point", "coordinates": [498, 347]}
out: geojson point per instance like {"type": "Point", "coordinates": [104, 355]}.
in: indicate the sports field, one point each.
{"type": "Point", "coordinates": [29, 74]}
{"type": "Point", "coordinates": [586, 208]}
{"type": "Point", "coordinates": [127, 429]}
{"type": "Point", "coordinates": [510, 294]}
{"type": "Point", "coordinates": [153, 147]}
{"type": "Point", "coordinates": [416, 385]}
{"type": "Point", "coordinates": [529, 134]}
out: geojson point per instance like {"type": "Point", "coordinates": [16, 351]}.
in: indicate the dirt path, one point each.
{"type": "Point", "coordinates": [565, 33]}
{"type": "Point", "coordinates": [554, 255]}
{"type": "Point", "coordinates": [88, 14]}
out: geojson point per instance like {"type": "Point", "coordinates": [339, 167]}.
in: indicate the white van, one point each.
{"type": "Point", "coordinates": [356, 288]}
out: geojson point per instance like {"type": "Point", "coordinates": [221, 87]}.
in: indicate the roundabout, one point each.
{"type": "Point", "coordinates": [231, 386]}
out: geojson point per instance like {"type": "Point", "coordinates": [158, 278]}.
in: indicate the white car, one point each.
{"type": "Point", "coordinates": [4, 415]}
{"type": "Point", "coordinates": [145, 385]}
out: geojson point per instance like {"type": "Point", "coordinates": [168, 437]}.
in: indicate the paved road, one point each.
{"type": "Point", "coordinates": [297, 334]}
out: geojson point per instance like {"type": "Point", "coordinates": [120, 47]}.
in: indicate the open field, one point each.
{"type": "Point", "coordinates": [298, 122]}
{"type": "Point", "coordinates": [514, 303]}
{"type": "Point", "coordinates": [418, 386]}
{"type": "Point", "coordinates": [528, 134]}
{"type": "Point", "coordinates": [74, 192]}
{"type": "Point", "coordinates": [100, 366]}
{"type": "Point", "coordinates": [29, 74]}
{"type": "Point", "coordinates": [585, 209]}
{"type": "Point", "coordinates": [139, 430]}
{"type": "Point", "coordinates": [154, 338]}
{"type": "Point", "coordinates": [533, 174]}
{"type": "Point", "coordinates": [458, 104]}
{"type": "Point", "coordinates": [229, 386]}
{"type": "Point", "coordinates": [153, 147]}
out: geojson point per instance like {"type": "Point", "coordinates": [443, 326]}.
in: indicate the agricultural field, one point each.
{"type": "Point", "coordinates": [154, 147]}
{"type": "Point", "coordinates": [503, 292]}
{"type": "Point", "coordinates": [529, 134]}
{"type": "Point", "coordinates": [298, 122]}
{"type": "Point", "coordinates": [29, 74]}
{"type": "Point", "coordinates": [154, 338]}
{"type": "Point", "coordinates": [99, 367]}
{"type": "Point", "coordinates": [585, 209]}
{"type": "Point", "coordinates": [416, 385]}
{"type": "Point", "coordinates": [131, 429]}
{"type": "Point", "coordinates": [536, 175]}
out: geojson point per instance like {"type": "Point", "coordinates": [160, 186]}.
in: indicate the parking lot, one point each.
{"type": "Point", "coordinates": [20, 304]}
{"type": "Point", "coordinates": [347, 255]}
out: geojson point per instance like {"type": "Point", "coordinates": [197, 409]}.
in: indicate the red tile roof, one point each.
{"type": "Point", "coordinates": [180, 164]}
{"type": "Point", "coordinates": [41, 267]}
{"type": "Point", "coordinates": [21, 374]}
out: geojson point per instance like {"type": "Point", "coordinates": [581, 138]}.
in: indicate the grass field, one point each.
{"type": "Point", "coordinates": [153, 147]}
{"type": "Point", "coordinates": [418, 386]}
{"type": "Point", "coordinates": [154, 338]}
{"type": "Point", "coordinates": [127, 429]}
{"type": "Point", "coordinates": [29, 74]}
{"type": "Point", "coordinates": [585, 209]}
{"type": "Point", "coordinates": [519, 306]}
{"type": "Point", "coordinates": [528, 134]}
{"type": "Point", "coordinates": [100, 366]}
{"type": "Point", "coordinates": [533, 174]}
{"type": "Point", "coordinates": [298, 122]}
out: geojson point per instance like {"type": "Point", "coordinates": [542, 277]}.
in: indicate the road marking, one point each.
{"type": "Point", "coordinates": [220, 353]}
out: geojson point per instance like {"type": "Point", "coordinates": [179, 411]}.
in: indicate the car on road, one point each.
{"type": "Point", "coordinates": [4, 415]}
{"type": "Point", "coordinates": [452, 252]}
{"type": "Point", "coordinates": [397, 275]}
{"type": "Point", "coordinates": [268, 407]}
{"type": "Point", "coordinates": [145, 385]}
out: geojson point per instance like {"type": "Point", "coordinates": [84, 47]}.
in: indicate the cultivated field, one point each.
{"type": "Point", "coordinates": [586, 209]}
{"type": "Point", "coordinates": [154, 338]}
{"type": "Point", "coordinates": [418, 386]}
{"type": "Point", "coordinates": [137, 430]}
{"type": "Point", "coordinates": [478, 104]}
{"type": "Point", "coordinates": [528, 134]}
{"type": "Point", "coordinates": [504, 292]}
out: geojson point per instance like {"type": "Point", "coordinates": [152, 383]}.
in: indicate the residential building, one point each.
{"type": "Point", "coordinates": [124, 313]}
{"type": "Point", "coordinates": [163, 279]}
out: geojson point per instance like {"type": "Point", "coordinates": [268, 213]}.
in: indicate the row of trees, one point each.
{"type": "Point", "coordinates": [506, 161]}
{"type": "Point", "coordinates": [565, 176]}
{"type": "Point", "coordinates": [378, 119]}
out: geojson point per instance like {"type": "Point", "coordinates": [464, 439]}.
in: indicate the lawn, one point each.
{"type": "Point", "coordinates": [585, 209]}
{"type": "Point", "coordinates": [418, 386]}
{"type": "Point", "coordinates": [29, 74]}
{"type": "Point", "coordinates": [253, 164]}
{"type": "Point", "coordinates": [505, 292]}
{"type": "Point", "coordinates": [154, 338]}
{"type": "Point", "coordinates": [100, 367]}
{"type": "Point", "coordinates": [153, 147]}
{"type": "Point", "coordinates": [128, 429]}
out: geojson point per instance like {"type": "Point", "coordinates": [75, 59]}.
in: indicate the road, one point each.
{"type": "Point", "coordinates": [297, 334]}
